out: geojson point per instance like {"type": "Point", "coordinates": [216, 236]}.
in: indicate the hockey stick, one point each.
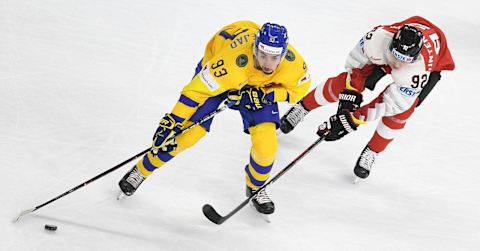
{"type": "Point", "coordinates": [216, 218]}
{"type": "Point", "coordinates": [207, 117]}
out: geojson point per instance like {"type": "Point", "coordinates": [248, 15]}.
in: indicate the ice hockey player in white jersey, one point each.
{"type": "Point", "coordinates": [413, 52]}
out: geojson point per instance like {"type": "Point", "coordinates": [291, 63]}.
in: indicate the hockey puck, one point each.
{"type": "Point", "coordinates": [51, 227]}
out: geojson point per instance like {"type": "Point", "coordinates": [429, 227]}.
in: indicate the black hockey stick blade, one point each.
{"type": "Point", "coordinates": [216, 218]}
{"type": "Point", "coordinates": [212, 214]}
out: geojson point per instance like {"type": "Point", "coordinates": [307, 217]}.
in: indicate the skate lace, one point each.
{"type": "Point", "coordinates": [367, 158]}
{"type": "Point", "coordinates": [262, 197]}
{"type": "Point", "coordinates": [135, 178]}
{"type": "Point", "coordinates": [296, 114]}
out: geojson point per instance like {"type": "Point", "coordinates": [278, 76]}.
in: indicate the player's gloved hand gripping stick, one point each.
{"type": "Point", "coordinates": [207, 117]}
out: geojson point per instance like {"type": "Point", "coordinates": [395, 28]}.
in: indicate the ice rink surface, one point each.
{"type": "Point", "coordinates": [83, 85]}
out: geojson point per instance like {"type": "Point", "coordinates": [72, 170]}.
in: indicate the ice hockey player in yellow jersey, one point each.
{"type": "Point", "coordinates": [253, 68]}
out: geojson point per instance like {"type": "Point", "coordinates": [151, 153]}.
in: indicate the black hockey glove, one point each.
{"type": "Point", "coordinates": [337, 126]}
{"type": "Point", "coordinates": [349, 100]}
{"type": "Point", "coordinates": [164, 138]}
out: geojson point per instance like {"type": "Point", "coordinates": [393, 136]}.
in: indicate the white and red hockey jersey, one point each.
{"type": "Point", "coordinates": [408, 80]}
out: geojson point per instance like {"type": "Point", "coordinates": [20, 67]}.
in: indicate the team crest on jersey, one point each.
{"type": "Point", "coordinates": [242, 60]}
{"type": "Point", "coordinates": [290, 55]}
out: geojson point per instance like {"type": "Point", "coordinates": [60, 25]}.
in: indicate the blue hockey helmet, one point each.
{"type": "Point", "coordinates": [272, 39]}
{"type": "Point", "coordinates": [407, 43]}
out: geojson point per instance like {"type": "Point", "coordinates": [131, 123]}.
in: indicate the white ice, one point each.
{"type": "Point", "coordinates": [83, 85]}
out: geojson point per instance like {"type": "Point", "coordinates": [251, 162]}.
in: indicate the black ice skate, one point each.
{"type": "Point", "coordinates": [293, 117]}
{"type": "Point", "coordinates": [130, 182]}
{"type": "Point", "coordinates": [364, 163]}
{"type": "Point", "coordinates": [262, 203]}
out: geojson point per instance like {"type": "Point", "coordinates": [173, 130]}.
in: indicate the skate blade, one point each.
{"type": "Point", "coordinates": [356, 180]}
{"type": "Point", "coordinates": [120, 196]}
{"type": "Point", "coordinates": [265, 217]}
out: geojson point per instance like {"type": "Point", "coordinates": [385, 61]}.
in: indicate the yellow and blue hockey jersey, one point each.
{"type": "Point", "coordinates": [228, 64]}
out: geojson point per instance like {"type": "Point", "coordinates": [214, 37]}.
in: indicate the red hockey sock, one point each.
{"type": "Point", "coordinates": [378, 143]}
